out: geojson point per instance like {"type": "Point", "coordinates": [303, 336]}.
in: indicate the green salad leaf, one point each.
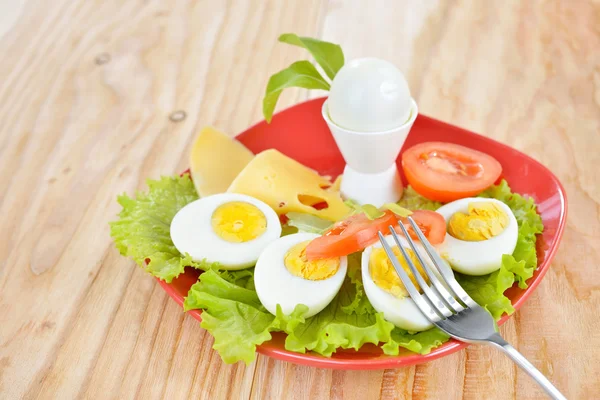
{"type": "Point", "coordinates": [307, 222]}
{"type": "Point", "coordinates": [347, 322]}
{"type": "Point", "coordinates": [397, 209]}
{"type": "Point", "coordinates": [142, 230]}
{"type": "Point", "coordinates": [420, 342]}
{"type": "Point", "coordinates": [414, 201]}
{"type": "Point", "coordinates": [300, 74]}
{"type": "Point", "coordinates": [523, 262]}
{"type": "Point", "coordinates": [238, 322]}
{"type": "Point", "coordinates": [369, 210]}
{"type": "Point", "coordinates": [303, 74]}
{"type": "Point", "coordinates": [328, 55]}
{"type": "Point", "coordinates": [488, 290]}
{"type": "Point", "coordinates": [233, 314]}
{"type": "Point", "coordinates": [232, 311]}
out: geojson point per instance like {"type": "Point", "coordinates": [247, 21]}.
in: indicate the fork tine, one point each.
{"type": "Point", "coordinates": [447, 276]}
{"type": "Point", "coordinates": [433, 298]}
{"type": "Point", "coordinates": [429, 311]}
{"type": "Point", "coordinates": [438, 287]}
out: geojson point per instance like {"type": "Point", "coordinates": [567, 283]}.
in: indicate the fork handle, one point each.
{"type": "Point", "coordinates": [526, 366]}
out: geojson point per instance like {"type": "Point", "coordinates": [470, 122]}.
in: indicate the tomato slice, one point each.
{"type": "Point", "coordinates": [446, 171]}
{"type": "Point", "coordinates": [358, 231]}
{"type": "Point", "coordinates": [432, 224]}
{"type": "Point", "coordinates": [350, 235]}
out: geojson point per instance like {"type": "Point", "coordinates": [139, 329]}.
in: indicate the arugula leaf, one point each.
{"type": "Point", "coordinates": [300, 74]}
{"type": "Point", "coordinates": [328, 55]}
{"type": "Point", "coordinates": [142, 231]}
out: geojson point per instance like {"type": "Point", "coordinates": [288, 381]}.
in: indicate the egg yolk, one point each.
{"type": "Point", "coordinates": [483, 221]}
{"type": "Point", "coordinates": [385, 276]}
{"type": "Point", "coordinates": [238, 222]}
{"type": "Point", "coordinates": [316, 270]}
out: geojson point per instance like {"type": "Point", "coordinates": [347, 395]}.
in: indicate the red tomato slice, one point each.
{"type": "Point", "coordinates": [446, 171]}
{"type": "Point", "coordinates": [348, 236]}
{"type": "Point", "coordinates": [432, 224]}
{"type": "Point", "coordinates": [357, 232]}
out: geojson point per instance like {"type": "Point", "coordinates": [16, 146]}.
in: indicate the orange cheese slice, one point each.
{"type": "Point", "coordinates": [286, 185]}
{"type": "Point", "coordinates": [215, 160]}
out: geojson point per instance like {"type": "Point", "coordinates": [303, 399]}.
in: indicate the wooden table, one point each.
{"type": "Point", "coordinates": [90, 94]}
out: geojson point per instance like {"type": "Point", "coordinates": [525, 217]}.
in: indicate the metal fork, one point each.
{"type": "Point", "coordinates": [450, 308]}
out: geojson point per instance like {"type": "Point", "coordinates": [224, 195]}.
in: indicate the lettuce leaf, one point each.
{"type": "Point", "coordinates": [523, 262]}
{"type": "Point", "coordinates": [420, 342]}
{"type": "Point", "coordinates": [307, 222]}
{"type": "Point", "coordinates": [234, 315]}
{"type": "Point", "coordinates": [238, 322]}
{"type": "Point", "coordinates": [359, 303]}
{"type": "Point", "coordinates": [347, 322]}
{"type": "Point", "coordinates": [523, 207]}
{"type": "Point", "coordinates": [369, 210]}
{"type": "Point", "coordinates": [414, 201]}
{"type": "Point", "coordinates": [398, 210]}
{"type": "Point", "coordinates": [488, 290]}
{"type": "Point", "coordinates": [142, 230]}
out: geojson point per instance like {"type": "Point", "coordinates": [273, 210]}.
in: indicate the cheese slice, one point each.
{"type": "Point", "coordinates": [215, 160]}
{"type": "Point", "coordinates": [286, 185]}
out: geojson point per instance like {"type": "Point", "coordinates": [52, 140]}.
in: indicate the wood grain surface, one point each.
{"type": "Point", "coordinates": [88, 92]}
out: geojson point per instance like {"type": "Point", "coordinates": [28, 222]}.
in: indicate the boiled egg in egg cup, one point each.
{"type": "Point", "coordinates": [479, 232]}
{"type": "Point", "coordinates": [230, 229]}
{"type": "Point", "coordinates": [385, 289]}
{"type": "Point", "coordinates": [370, 112]}
{"type": "Point", "coordinates": [283, 276]}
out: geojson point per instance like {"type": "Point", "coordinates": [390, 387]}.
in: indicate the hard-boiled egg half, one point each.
{"type": "Point", "coordinates": [284, 276]}
{"type": "Point", "coordinates": [385, 290]}
{"type": "Point", "coordinates": [480, 231]}
{"type": "Point", "coordinates": [231, 229]}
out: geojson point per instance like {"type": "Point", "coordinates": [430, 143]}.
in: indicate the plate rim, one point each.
{"type": "Point", "coordinates": [451, 346]}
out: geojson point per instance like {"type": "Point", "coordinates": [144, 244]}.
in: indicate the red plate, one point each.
{"type": "Point", "coordinates": [301, 133]}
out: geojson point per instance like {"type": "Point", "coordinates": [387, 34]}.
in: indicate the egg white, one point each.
{"type": "Point", "coordinates": [369, 95]}
{"type": "Point", "coordinates": [192, 232]}
{"type": "Point", "coordinates": [276, 285]}
{"type": "Point", "coordinates": [481, 257]}
{"type": "Point", "coordinates": [402, 312]}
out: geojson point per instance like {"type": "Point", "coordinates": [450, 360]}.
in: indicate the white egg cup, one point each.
{"type": "Point", "coordinates": [371, 175]}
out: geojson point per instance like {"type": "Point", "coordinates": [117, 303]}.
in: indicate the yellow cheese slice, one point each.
{"type": "Point", "coordinates": [215, 160]}
{"type": "Point", "coordinates": [286, 185]}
